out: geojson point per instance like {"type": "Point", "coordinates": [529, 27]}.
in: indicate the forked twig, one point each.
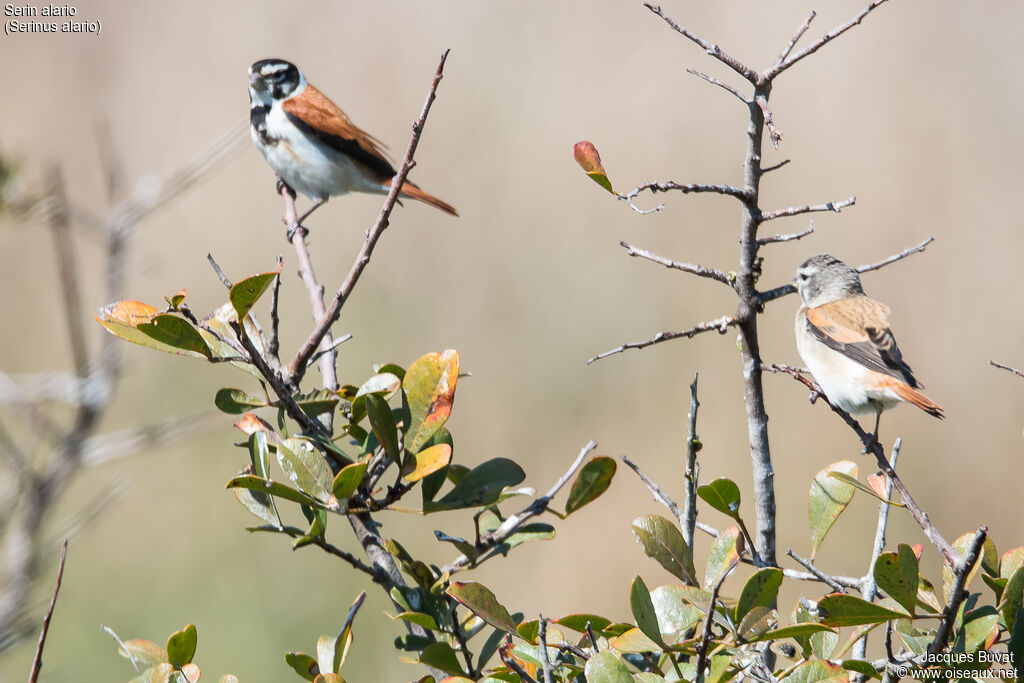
{"type": "Point", "coordinates": [720, 325]}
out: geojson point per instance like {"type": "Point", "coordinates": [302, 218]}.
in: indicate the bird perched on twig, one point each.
{"type": "Point", "coordinates": [844, 338]}
{"type": "Point", "coordinates": [312, 144]}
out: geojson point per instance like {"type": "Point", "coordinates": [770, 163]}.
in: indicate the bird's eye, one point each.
{"type": "Point", "coordinates": [803, 277]}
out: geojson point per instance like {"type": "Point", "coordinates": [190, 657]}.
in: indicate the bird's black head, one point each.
{"type": "Point", "coordinates": [274, 79]}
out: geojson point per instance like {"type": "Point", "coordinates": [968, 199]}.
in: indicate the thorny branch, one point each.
{"type": "Point", "coordinates": [1019, 373]}
{"type": "Point", "coordinates": [808, 208]}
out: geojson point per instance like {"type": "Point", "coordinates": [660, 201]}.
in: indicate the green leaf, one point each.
{"type": "Point", "coordinates": [724, 552]}
{"type": "Point", "coordinates": [827, 499]}
{"type": "Point", "coordinates": [537, 531]}
{"type": "Point", "coordinates": [676, 612]}
{"type": "Point", "coordinates": [273, 488]}
{"type": "Point", "coordinates": [122, 319]}
{"type": "Point", "coordinates": [978, 626]}
{"type": "Point", "coordinates": [1011, 602]}
{"type": "Point", "coordinates": [578, 622]}
{"type": "Point", "coordinates": [432, 483]}
{"type": "Point", "coordinates": [348, 480]}
{"type": "Point", "coordinates": [917, 641]}
{"type": "Point", "coordinates": [855, 483]}
{"type": "Point", "coordinates": [989, 556]}
{"type": "Point", "coordinates": [1011, 561]}
{"type": "Point", "coordinates": [481, 486]}
{"type": "Point", "coordinates": [429, 389]}
{"type": "Point", "coordinates": [479, 600]}
{"type": "Point", "coordinates": [430, 460]}
{"type": "Point", "coordinates": [896, 574]}
{"type": "Point", "coordinates": [814, 670]}
{"type": "Point", "coordinates": [441, 656]}
{"type": "Point", "coordinates": [861, 667]}
{"type": "Point", "coordinates": [316, 402]}
{"type": "Point", "coordinates": [328, 654]}
{"type": "Point", "coordinates": [236, 401]}
{"type": "Point", "coordinates": [245, 293]}
{"type": "Point", "coordinates": [176, 332]}
{"type": "Point", "coordinates": [383, 424]}
{"type": "Point", "coordinates": [723, 495]}
{"type": "Point", "coordinates": [383, 384]}
{"type": "Point", "coordinates": [181, 646]}
{"type": "Point", "coordinates": [145, 652]}
{"type": "Point", "coordinates": [594, 479]}
{"type": "Point", "coordinates": [529, 630]}
{"type": "Point", "coordinates": [643, 611]}
{"type": "Point", "coordinates": [760, 590]}
{"type": "Point", "coordinates": [605, 667]}
{"type": "Point", "coordinates": [662, 540]}
{"type": "Point", "coordinates": [302, 664]}
{"type": "Point", "coordinates": [794, 631]}
{"type": "Point", "coordinates": [848, 610]}
{"type": "Point", "coordinates": [1015, 647]}
{"type": "Point", "coordinates": [307, 469]}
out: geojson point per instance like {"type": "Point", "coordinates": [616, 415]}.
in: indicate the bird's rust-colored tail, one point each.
{"type": "Point", "coordinates": [412, 192]}
{"type": "Point", "coordinates": [911, 395]}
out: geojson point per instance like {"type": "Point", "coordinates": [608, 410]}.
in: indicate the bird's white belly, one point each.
{"type": "Point", "coordinates": [843, 380]}
{"type": "Point", "coordinates": [309, 167]}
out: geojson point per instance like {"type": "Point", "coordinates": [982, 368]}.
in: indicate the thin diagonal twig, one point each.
{"type": "Point", "coordinates": [795, 39]}
{"type": "Point", "coordinates": [695, 269]}
{"type": "Point", "coordinates": [720, 325]}
{"type": "Point", "coordinates": [808, 208]}
{"type": "Point", "coordinates": [789, 237]}
{"type": "Point", "coordinates": [961, 571]}
{"type": "Point", "coordinates": [712, 49]}
{"type": "Point", "coordinates": [822, 576]}
{"type": "Point", "coordinates": [896, 257]}
{"type": "Point", "coordinates": [724, 86]}
{"type": "Point", "coordinates": [297, 366]}
{"type": "Point", "coordinates": [818, 44]}
{"type": "Point", "coordinates": [37, 661]}
{"type": "Point", "coordinates": [1015, 371]}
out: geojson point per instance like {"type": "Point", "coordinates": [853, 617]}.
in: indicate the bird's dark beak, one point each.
{"type": "Point", "coordinates": [256, 82]}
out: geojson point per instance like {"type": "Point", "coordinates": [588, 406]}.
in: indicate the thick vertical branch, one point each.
{"type": "Point", "coordinates": [692, 470]}
{"type": "Point", "coordinates": [753, 390]}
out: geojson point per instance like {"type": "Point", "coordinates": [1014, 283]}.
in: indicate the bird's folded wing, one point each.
{"type": "Point", "coordinates": [317, 116]}
{"type": "Point", "coordinates": [858, 327]}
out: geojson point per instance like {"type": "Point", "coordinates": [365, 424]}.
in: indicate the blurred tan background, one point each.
{"type": "Point", "coordinates": [916, 112]}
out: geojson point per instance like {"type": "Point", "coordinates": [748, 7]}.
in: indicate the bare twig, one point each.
{"type": "Point", "coordinates": [724, 86]}
{"type": "Point", "coordinates": [695, 269]}
{"type": "Point", "coordinates": [823, 577]}
{"type": "Point", "coordinates": [688, 188]}
{"type": "Point", "coordinates": [67, 268]}
{"type": "Point", "coordinates": [775, 167]}
{"type": "Point", "coordinates": [692, 473]}
{"type": "Point", "coordinates": [772, 239]}
{"type": "Point", "coordinates": [712, 49]}
{"type": "Point", "coordinates": [1015, 371]}
{"type": "Point", "coordinates": [37, 661]}
{"type": "Point", "coordinates": [875, 448]}
{"type": "Point", "coordinates": [328, 358]}
{"type": "Point", "coordinates": [702, 646]}
{"type": "Point", "coordinates": [593, 638]}
{"type": "Point", "coordinates": [795, 39]}
{"type": "Point", "coordinates": [787, 289]}
{"type": "Point", "coordinates": [274, 343]}
{"type": "Point", "coordinates": [818, 44]}
{"type": "Point", "coordinates": [334, 345]}
{"type": "Point", "coordinates": [808, 208]}
{"type": "Point", "coordinates": [224, 280]}
{"type": "Point", "coordinates": [961, 570]}
{"type": "Point", "coordinates": [297, 366]}
{"type": "Point", "coordinates": [720, 325]}
{"type": "Point", "coordinates": [773, 133]}
{"type": "Point", "coordinates": [919, 247]}
{"type": "Point", "coordinates": [870, 589]}
{"type": "Point", "coordinates": [545, 658]}
{"type": "Point", "coordinates": [666, 500]}
{"type": "Point", "coordinates": [511, 663]}
{"type": "Point", "coordinates": [514, 522]}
